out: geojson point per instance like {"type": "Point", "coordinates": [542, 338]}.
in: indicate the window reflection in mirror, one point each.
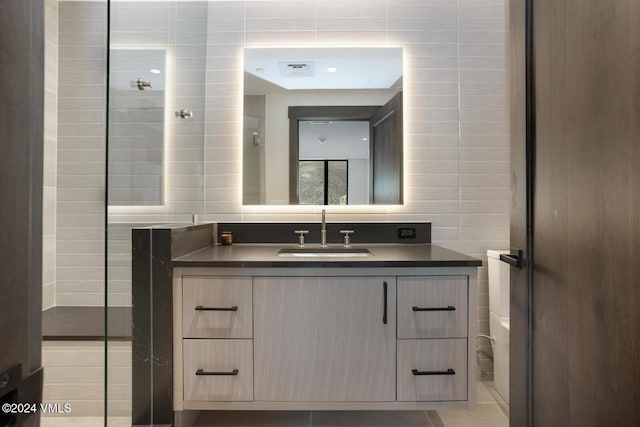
{"type": "Point", "coordinates": [323, 182]}
{"type": "Point", "coordinates": [364, 79]}
{"type": "Point", "coordinates": [329, 140]}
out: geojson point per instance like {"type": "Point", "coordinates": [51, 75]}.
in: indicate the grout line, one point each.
{"type": "Point", "coordinates": [426, 415]}
{"type": "Point", "coordinates": [459, 95]}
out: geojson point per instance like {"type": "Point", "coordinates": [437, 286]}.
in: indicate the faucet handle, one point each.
{"type": "Point", "coordinates": [347, 237]}
{"type": "Point", "coordinates": [301, 234]}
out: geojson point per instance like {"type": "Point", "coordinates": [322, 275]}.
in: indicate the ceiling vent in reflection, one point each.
{"type": "Point", "coordinates": [297, 69]}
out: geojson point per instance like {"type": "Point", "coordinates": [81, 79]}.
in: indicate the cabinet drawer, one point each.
{"type": "Point", "coordinates": [217, 307]}
{"type": "Point", "coordinates": [432, 307]}
{"type": "Point", "coordinates": [218, 370]}
{"type": "Point", "coordinates": [432, 370]}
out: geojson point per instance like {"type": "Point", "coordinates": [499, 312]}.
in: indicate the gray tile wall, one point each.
{"type": "Point", "coordinates": [456, 118]}
{"type": "Point", "coordinates": [456, 125]}
{"type": "Point", "coordinates": [50, 153]}
{"type": "Point", "coordinates": [181, 31]}
{"type": "Point", "coordinates": [179, 28]}
{"type": "Point", "coordinates": [81, 153]}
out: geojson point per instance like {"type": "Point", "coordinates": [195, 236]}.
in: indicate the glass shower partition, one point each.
{"type": "Point", "coordinates": [157, 76]}
{"type": "Point", "coordinates": [73, 330]}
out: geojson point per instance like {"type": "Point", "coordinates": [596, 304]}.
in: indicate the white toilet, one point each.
{"type": "Point", "coordinates": [499, 320]}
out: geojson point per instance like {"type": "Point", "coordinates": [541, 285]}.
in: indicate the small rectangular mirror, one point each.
{"type": "Point", "coordinates": [136, 127]}
{"type": "Point", "coordinates": [323, 126]}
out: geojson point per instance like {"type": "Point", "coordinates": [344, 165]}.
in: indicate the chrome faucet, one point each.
{"type": "Point", "coordinates": [323, 231]}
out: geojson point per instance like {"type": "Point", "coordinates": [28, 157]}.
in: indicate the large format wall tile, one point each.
{"type": "Point", "coordinates": [455, 119]}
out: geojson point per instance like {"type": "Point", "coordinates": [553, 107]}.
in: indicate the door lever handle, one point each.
{"type": "Point", "coordinates": [513, 259]}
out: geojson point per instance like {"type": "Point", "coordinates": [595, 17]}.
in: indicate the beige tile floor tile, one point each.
{"type": "Point", "coordinates": [71, 421]}
{"type": "Point", "coordinates": [491, 411]}
{"type": "Point", "coordinates": [485, 415]}
{"type": "Point", "coordinates": [84, 422]}
{"type": "Point", "coordinates": [254, 419]}
{"type": "Point", "coordinates": [369, 419]}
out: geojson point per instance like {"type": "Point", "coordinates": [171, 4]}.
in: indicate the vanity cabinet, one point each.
{"type": "Point", "coordinates": [432, 338]}
{"type": "Point", "coordinates": [324, 338]}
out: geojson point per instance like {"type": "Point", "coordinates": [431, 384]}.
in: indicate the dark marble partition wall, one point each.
{"type": "Point", "coordinates": [153, 248]}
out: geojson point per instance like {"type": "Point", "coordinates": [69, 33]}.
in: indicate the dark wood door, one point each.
{"type": "Point", "coordinates": [519, 346]}
{"type": "Point", "coordinates": [585, 216]}
{"type": "Point", "coordinates": [21, 142]}
{"type": "Point", "coordinates": [386, 153]}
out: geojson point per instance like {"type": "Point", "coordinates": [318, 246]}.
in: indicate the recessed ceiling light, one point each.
{"type": "Point", "coordinates": [259, 70]}
{"type": "Point", "coordinates": [332, 68]}
{"type": "Point", "coordinates": [155, 71]}
{"type": "Point", "coordinates": [365, 139]}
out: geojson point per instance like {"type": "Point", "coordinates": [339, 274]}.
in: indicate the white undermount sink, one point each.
{"type": "Point", "coordinates": [325, 252]}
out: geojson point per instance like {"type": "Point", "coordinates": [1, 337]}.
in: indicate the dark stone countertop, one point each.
{"type": "Point", "coordinates": [384, 255]}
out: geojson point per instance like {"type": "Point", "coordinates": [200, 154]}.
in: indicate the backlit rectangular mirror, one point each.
{"type": "Point", "coordinates": [323, 126]}
{"type": "Point", "coordinates": [137, 89]}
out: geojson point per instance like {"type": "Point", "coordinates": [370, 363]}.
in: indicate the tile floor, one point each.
{"type": "Point", "coordinates": [491, 411]}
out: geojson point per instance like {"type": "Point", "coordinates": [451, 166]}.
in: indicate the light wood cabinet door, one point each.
{"type": "Point", "coordinates": [324, 339]}
{"type": "Point", "coordinates": [216, 307]}
{"type": "Point", "coordinates": [433, 307]}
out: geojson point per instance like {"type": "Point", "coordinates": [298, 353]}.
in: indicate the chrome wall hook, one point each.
{"type": "Point", "coordinates": [184, 114]}
{"type": "Point", "coordinates": [142, 84]}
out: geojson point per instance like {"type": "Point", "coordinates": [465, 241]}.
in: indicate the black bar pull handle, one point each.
{"type": "Point", "coordinates": [201, 308]}
{"type": "Point", "coordinates": [384, 314]}
{"type": "Point", "coordinates": [447, 308]}
{"type": "Point", "coordinates": [203, 372]}
{"type": "Point", "coordinates": [513, 259]}
{"type": "Point", "coordinates": [447, 372]}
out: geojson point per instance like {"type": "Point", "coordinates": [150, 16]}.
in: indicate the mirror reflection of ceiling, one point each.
{"type": "Point", "coordinates": [323, 68]}
{"type": "Point", "coordinates": [128, 65]}
{"type": "Point", "coordinates": [364, 76]}
{"type": "Point", "coordinates": [333, 140]}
